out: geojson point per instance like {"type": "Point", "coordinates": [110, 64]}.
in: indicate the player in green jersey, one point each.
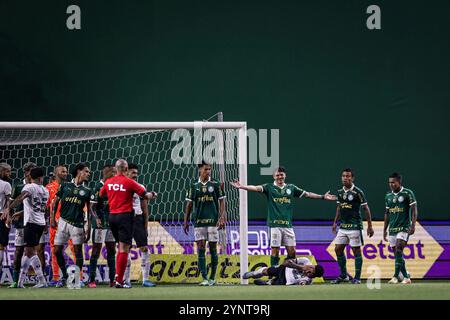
{"type": "Point", "coordinates": [348, 212]}
{"type": "Point", "coordinates": [207, 197]}
{"type": "Point", "coordinates": [400, 218]}
{"type": "Point", "coordinates": [280, 205]}
{"type": "Point", "coordinates": [100, 230]}
{"type": "Point", "coordinates": [74, 198]}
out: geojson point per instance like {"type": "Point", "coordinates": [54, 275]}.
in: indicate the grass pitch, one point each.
{"type": "Point", "coordinates": [426, 290]}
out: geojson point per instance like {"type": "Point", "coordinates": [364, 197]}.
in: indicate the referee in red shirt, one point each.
{"type": "Point", "coordinates": [120, 190]}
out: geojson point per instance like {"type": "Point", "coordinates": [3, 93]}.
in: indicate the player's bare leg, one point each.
{"type": "Point", "coordinates": [275, 256]}
{"type": "Point", "coordinates": [342, 262]}
{"type": "Point", "coordinates": [290, 252]}
{"type": "Point", "coordinates": [201, 247]}
{"type": "Point", "coordinates": [214, 262]}
{"type": "Point", "coordinates": [358, 264]}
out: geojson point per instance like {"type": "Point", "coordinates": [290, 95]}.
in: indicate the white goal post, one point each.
{"type": "Point", "coordinates": [45, 133]}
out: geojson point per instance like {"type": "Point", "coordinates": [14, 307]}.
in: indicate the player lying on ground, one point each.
{"type": "Point", "coordinates": [34, 197]}
{"type": "Point", "coordinates": [298, 271]}
{"type": "Point", "coordinates": [280, 206]}
{"type": "Point", "coordinates": [207, 197]}
{"type": "Point", "coordinates": [400, 218]}
{"type": "Point", "coordinates": [140, 231]}
{"type": "Point", "coordinates": [101, 233]}
{"type": "Point", "coordinates": [350, 201]}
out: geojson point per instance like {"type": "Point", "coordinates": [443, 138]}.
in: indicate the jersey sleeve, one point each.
{"type": "Point", "coordinates": [220, 191]}
{"type": "Point", "coordinates": [265, 188]}
{"type": "Point", "coordinates": [362, 197]}
{"type": "Point", "coordinates": [412, 198]}
{"type": "Point", "coordinates": [137, 188]}
{"type": "Point", "coordinates": [59, 193]}
{"type": "Point", "coordinates": [190, 193]}
{"type": "Point", "coordinates": [386, 203]}
{"type": "Point", "coordinates": [26, 188]}
{"type": "Point", "coordinates": [298, 192]}
{"type": "Point", "coordinates": [339, 199]}
{"type": "Point", "coordinates": [95, 195]}
{"type": "Point", "coordinates": [8, 189]}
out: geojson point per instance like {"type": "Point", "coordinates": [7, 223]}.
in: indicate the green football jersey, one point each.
{"type": "Point", "coordinates": [205, 197]}
{"type": "Point", "coordinates": [350, 202]}
{"type": "Point", "coordinates": [280, 206]}
{"type": "Point", "coordinates": [14, 194]}
{"type": "Point", "coordinates": [102, 209]}
{"type": "Point", "coordinates": [73, 201]}
{"type": "Point", "coordinates": [398, 206]}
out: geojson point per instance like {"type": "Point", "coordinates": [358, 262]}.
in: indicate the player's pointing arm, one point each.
{"type": "Point", "coordinates": [238, 185]}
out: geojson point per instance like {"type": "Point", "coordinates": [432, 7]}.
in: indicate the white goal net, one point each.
{"type": "Point", "coordinates": [167, 155]}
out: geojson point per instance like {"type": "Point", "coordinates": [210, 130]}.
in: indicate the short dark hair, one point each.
{"type": "Point", "coordinates": [318, 271]}
{"type": "Point", "coordinates": [80, 166]}
{"type": "Point", "coordinates": [132, 166]}
{"type": "Point", "coordinates": [280, 169]}
{"type": "Point", "coordinates": [396, 176]}
{"type": "Point", "coordinates": [28, 166]}
{"type": "Point", "coordinates": [36, 173]}
{"type": "Point", "coordinates": [204, 163]}
{"type": "Point", "coordinates": [349, 170]}
{"type": "Point", "coordinates": [108, 165]}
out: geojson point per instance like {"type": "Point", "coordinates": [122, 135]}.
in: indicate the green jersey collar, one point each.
{"type": "Point", "coordinates": [204, 183]}
{"type": "Point", "coordinates": [76, 185]}
{"type": "Point", "coordinates": [282, 187]}
{"type": "Point", "coordinates": [401, 189]}
{"type": "Point", "coordinates": [351, 188]}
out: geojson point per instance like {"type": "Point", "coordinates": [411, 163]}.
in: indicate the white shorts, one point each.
{"type": "Point", "coordinates": [282, 237]}
{"type": "Point", "coordinates": [354, 237]}
{"type": "Point", "coordinates": [401, 235]}
{"type": "Point", "coordinates": [19, 240]}
{"type": "Point", "coordinates": [102, 236]}
{"type": "Point", "coordinates": [210, 234]}
{"type": "Point", "coordinates": [45, 238]}
{"type": "Point", "coordinates": [67, 231]}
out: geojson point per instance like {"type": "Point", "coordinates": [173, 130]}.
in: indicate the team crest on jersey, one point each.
{"type": "Point", "coordinates": [401, 198]}
{"type": "Point", "coordinates": [210, 189]}
{"type": "Point", "coordinates": [203, 189]}
{"type": "Point", "coordinates": [288, 191]}
{"type": "Point", "coordinates": [75, 191]}
{"type": "Point", "coordinates": [350, 197]}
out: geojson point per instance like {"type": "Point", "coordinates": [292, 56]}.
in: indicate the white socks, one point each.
{"type": "Point", "coordinates": [36, 264]}
{"type": "Point", "coordinates": [24, 269]}
{"type": "Point", "coordinates": [145, 264]}
{"type": "Point", "coordinates": [126, 276]}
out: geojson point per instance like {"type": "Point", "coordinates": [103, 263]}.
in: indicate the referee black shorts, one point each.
{"type": "Point", "coordinates": [122, 226]}
{"type": "Point", "coordinates": [139, 233]}
{"type": "Point", "coordinates": [32, 234]}
{"type": "Point", "coordinates": [4, 233]}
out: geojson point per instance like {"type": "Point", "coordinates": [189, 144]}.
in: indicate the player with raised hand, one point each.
{"type": "Point", "coordinates": [101, 233]}
{"type": "Point", "coordinates": [299, 271]}
{"type": "Point", "coordinates": [350, 201]}
{"type": "Point", "coordinates": [400, 218]}
{"type": "Point", "coordinates": [280, 206]}
{"type": "Point", "coordinates": [207, 197]}
{"type": "Point", "coordinates": [5, 194]}
{"type": "Point", "coordinates": [74, 197]}
{"type": "Point", "coordinates": [34, 198]}
{"type": "Point", "coordinates": [17, 222]}
{"type": "Point", "coordinates": [140, 232]}
{"type": "Point", "coordinates": [120, 190]}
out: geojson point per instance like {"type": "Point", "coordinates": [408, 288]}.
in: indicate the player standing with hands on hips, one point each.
{"type": "Point", "coordinates": [120, 190]}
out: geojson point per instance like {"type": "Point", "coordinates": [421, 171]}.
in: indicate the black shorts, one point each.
{"type": "Point", "coordinates": [32, 234]}
{"type": "Point", "coordinates": [139, 232]}
{"type": "Point", "coordinates": [4, 233]}
{"type": "Point", "coordinates": [122, 225]}
{"type": "Point", "coordinates": [278, 274]}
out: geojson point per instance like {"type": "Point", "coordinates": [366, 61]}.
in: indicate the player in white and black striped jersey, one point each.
{"type": "Point", "coordinates": [34, 197]}
{"type": "Point", "coordinates": [299, 271]}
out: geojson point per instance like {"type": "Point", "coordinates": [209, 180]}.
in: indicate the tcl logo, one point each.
{"type": "Point", "coordinates": [116, 187]}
